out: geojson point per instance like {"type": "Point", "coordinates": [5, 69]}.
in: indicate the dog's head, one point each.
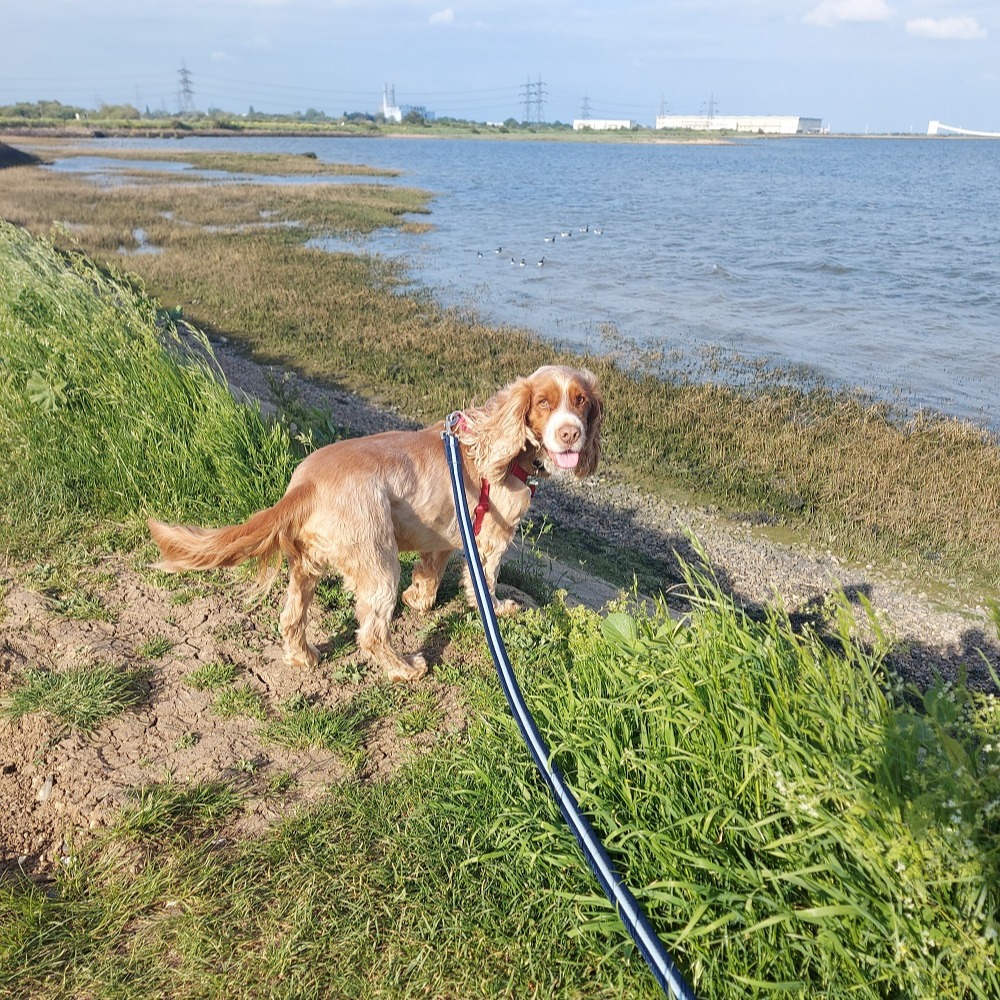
{"type": "Point", "coordinates": [551, 417]}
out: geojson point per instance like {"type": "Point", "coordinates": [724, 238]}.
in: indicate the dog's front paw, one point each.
{"type": "Point", "coordinates": [506, 607]}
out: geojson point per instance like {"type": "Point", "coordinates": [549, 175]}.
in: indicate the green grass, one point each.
{"type": "Point", "coordinates": [107, 412]}
{"type": "Point", "coordinates": [172, 810]}
{"type": "Point", "coordinates": [239, 700]}
{"type": "Point", "coordinates": [209, 676]}
{"type": "Point", "coordinates": [81, 697]}
{"type": "Point", "coordinates": [790, 820]}
{"type": "Point", "coordinates": [303, 726]}
{"type": "Point", "coordinates": [771, 785]}
{"type": "Point", "coordinates": [155, 647]}
{"type": "Point", "coordinates": [418, 714]}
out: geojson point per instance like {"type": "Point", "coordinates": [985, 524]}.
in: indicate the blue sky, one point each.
{"type": "Point", "coordinates": [860, 65]}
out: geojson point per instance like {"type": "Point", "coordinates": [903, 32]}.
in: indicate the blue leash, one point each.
{"type": "Point", "coordinates": [626, 905]}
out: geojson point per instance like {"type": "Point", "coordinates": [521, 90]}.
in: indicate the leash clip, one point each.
{"type": "Point", "coordinates": [453, 423]}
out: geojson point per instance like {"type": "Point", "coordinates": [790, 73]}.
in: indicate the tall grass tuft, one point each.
{"type": "Point", "coordinates": [98, 419]}
{"type": "Point", "coordinates": [791, 822]}
{"type": "Point", "coordinates": [80, 698]}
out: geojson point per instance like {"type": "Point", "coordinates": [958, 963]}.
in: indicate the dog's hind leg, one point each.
{"type": "Point", "coordinates": [427, 573]}
{"type": "Point", "coordinates": [302, 580]}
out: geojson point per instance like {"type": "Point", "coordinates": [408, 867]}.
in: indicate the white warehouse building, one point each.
{"type": "Point", "coordinates": [603, 124]}
{"type": "Point", "coordinates": [768, 124]}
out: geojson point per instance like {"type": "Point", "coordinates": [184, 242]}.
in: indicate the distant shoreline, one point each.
{"type": "Point", "coordinates": [643, 136]}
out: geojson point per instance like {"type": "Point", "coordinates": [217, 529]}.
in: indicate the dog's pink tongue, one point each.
{"type": "Point", "coordinates": [566, 459]}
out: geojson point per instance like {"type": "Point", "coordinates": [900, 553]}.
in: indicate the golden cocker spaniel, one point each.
{"type": "Point", "coordinates": [353, 506]}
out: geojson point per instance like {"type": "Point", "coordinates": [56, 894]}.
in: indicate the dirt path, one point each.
{"type": "Point", "coordinates": [56, 786]}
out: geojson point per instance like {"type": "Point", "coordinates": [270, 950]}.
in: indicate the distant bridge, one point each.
{"type": "Point", "coordinates": [935, 127]}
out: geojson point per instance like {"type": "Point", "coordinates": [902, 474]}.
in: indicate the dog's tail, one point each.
{"type": "Point", "coordinates": [266, 535]}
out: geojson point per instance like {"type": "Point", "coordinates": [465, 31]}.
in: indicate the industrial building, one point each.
{"type": "Point", "coordinates": [766, 124]}
{"type": "Point", "coordinates": [393, 112]}
{"type": "Point", "coordinates": [603, 124]}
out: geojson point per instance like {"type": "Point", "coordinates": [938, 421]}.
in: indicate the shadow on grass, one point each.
{"type": "Point", "coordinates": [654, 567]}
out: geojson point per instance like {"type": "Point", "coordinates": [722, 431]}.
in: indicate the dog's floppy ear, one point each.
{"type": "Point", "coordinates": [497, 432]}
{"type": "Point", "coordinates": [591, 453]}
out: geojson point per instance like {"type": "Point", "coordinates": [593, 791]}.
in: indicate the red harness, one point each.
{"type": "Point", "coordinates": [483, 506]}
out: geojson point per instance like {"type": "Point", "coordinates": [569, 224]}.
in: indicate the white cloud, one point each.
{"type": "Point", "coordinates": [831, 12]}
{"type": "Point", "coordinates": [446, 16]}
{"type": "Point", "coordinates": [947, 28]}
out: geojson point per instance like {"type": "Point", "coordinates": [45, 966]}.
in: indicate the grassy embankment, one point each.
{"type": "Point", "coordinates": [847, 474]}
{"type": "Point", "coordinates": [791, 822]}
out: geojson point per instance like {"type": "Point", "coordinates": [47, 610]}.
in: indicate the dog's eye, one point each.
{"type": "Point", "coordinates": [581, 400]}
{"type": "Point", "coordinates": [543, 404]}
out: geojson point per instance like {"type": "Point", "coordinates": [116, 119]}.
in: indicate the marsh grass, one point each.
{"type": "Point", "coordinates": [256, 164]}
{"type": "Point", "coordinates": [850, 474]}
{"type": "Point", "coordinates": [81, 697]}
